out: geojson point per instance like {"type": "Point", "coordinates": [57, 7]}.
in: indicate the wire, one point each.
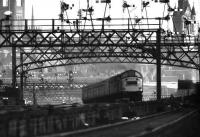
{"type": "Point", "coordinates": [86, 13]}
{"type": "Point", "coordinates": [163, 13]}
{"type": "Point", "coordinates": [144, 5]}
{"type": "Point", "coordinates": [130, 17]}
{"type": "Point", "coordinates": [90, 10]}
{"type": "Point", "coordinates": [64, 8]}
{"type": "Point", "coordinates": [147, 17]}
{"type": "Point", "coordinates": [68, 20]}
{"type": "Point", "coordinates": [105, 11]}
{"type": "Point", "coordinates": [137, 22]}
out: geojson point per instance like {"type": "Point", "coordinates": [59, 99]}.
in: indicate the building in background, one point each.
{"type": "Point", "coordinates": [17, 7]}
{"type": "Point", "coordinates": [184, 18]}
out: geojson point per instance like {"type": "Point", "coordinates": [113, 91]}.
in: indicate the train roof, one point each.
{"type": "Point", "coordinates": [135, 72]}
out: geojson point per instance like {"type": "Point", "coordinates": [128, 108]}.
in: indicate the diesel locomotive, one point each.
{"type": "Point", "coordinates": [125, 86]}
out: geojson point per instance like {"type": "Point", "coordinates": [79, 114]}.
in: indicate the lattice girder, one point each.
{"type": "Point", "coordinates": [42, 49]}
{"type": "Point", "coordinates": [175, 55]}
{"type": "Point", "coordinates": [57, 38]}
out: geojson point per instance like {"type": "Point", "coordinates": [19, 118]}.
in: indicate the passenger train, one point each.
{"type": "Point", "coordinates": [125, 86]}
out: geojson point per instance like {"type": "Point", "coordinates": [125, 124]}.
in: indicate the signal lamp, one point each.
{"type": "Point", "coordinates": [170, 9]}
{"type": "Point", "coordinates": [7, 14]}
{"type": "Point", "coordinates": [108, 1]}
{"type": "Point", "coordinates": [145, 4]}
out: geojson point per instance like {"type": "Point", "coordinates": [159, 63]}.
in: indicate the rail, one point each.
{"type": "Point", "coordinates": [179, 127]}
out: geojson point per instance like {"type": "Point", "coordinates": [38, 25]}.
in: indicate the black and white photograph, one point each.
{"type": "Point", "coordinates": [99, 68]}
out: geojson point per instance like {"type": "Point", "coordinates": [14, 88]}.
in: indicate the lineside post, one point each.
{"type": "Point", "coordinates": [26, 25]}
{"type": "Point", "coordinates": [102, 25]}
{"type": "Point", "coordinates": [53, 25]}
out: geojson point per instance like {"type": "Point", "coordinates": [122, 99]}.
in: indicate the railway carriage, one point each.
{"type": "Point", "coordinates": [127, 85]}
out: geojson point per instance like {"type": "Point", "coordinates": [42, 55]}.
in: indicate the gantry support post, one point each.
{"type": "Point", "coordinates": [199, 60]}
{"type": "Point", "coordinates": [14, 66]}
{"type": "Point", "coordinates": [1, 23]}
{"type": "Point", "coordinates": [21, 77]}
{"type": "Point", "coordinates": [158, 62]}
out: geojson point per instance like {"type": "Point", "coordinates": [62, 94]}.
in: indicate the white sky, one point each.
{"type": "Point", "coordinates": [50, 9]}
{"type": "Point", "coordinates": [42, 8]}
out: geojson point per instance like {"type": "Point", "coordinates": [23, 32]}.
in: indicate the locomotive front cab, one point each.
{"type": "Point", "coordinates": [132, 85]}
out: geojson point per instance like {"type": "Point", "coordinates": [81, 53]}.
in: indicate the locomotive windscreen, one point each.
{"type": "Point", "coordinates": [131, 82]}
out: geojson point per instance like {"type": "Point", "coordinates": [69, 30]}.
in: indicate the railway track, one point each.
{"type": "Point", "coordinates": [131, 128]}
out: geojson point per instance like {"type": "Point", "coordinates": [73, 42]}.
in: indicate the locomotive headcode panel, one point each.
{"type": "Point", "coordinates": [127, 85]}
